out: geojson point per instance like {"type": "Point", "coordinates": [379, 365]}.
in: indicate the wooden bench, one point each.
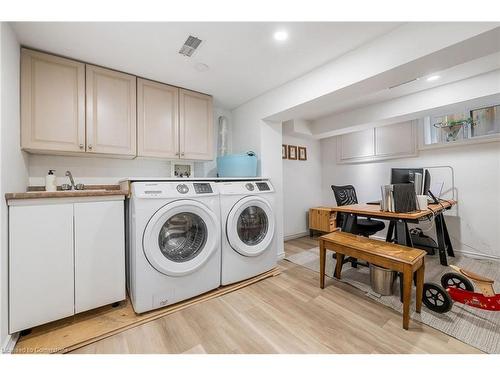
{"type": "Point", "coordinates": [405, 260]}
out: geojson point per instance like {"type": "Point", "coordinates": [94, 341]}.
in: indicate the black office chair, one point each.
{"type": "Point", "coordinates": [345, 195]}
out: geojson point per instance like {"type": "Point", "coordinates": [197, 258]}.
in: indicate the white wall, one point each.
{"type": "Point", "coordinates": [100, 170]}
{"type": "Point", "coordinates": [302, 186]}
{"type": "Point", "coordinates": [474, 226]}
{"type": "Point", "coordinates": [13, 170]}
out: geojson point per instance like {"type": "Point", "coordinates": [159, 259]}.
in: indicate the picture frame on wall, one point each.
{"type": "Point", "coordinates": [302, 153]}
{"type": "Point", "coordinates": [284, 153]}
{"type": "Point", "coordinates": [292, 152]}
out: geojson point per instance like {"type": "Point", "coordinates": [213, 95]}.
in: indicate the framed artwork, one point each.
{"type": "Point", "coordinates": [284, 154]}
{"type": "Point", "coordinates": [302, 153]}
{"type": "Point", "coordinates": [292, 152]}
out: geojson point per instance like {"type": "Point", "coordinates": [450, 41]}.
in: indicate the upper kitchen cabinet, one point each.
{"type": "Point", "coordinates": [157, 119]}
{"type": "Point", "coordinates": [52, 103]}
{"type": "Point", "coordinates": [111, 112]}
{"type": "Point", "coordinates": [196, 130]}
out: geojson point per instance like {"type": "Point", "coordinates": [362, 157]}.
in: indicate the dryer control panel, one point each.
{"type": "Point", "coordinates": [174, 189]}
{"type": "Point", "coordinates": [245, 187]}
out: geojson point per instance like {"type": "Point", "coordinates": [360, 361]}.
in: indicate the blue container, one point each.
{"type": "Point", "coordinates": [237, 165]}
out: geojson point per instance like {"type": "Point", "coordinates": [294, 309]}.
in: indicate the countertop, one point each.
{"type": "Point", "coordinates": [38, 192]}
{"type": "Point", "coordinates": [220, 179]}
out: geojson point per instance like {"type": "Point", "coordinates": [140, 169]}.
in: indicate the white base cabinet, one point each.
{"type": "Point", "coordinates": [64, 258]}
{"type": "Point", "coordinates": [40, 264]}
{"type": "Point", "coordinates": [99, 254]}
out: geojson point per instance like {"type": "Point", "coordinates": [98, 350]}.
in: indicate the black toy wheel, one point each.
{"type": "Point", "coordinates": [436, 298]}
{"type": "Point", "coordinates": [456, 280]}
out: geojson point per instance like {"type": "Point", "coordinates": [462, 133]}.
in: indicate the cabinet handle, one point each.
{"type": "Point", "coordinates": [81, 146]}
{"type": "Point", "coordinates": [182, 154]}
{"type": "Point", "coordinates": [176, 154]}
{"type": "Point", "coordinates": [90, 147]}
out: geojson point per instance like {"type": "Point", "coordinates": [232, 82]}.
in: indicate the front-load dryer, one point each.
{"type": "Point", "coordinates": [174, 250]}
{"type": "Point", "coordinates": [248, 229]}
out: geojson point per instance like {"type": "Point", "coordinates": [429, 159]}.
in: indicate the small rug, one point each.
{"type": "Point", "coordinates": [476, 327]}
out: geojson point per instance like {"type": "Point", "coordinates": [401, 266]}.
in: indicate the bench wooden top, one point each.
{"type": "Point", "coordinates": [373, 210]}
{"type": "Point", "coordinates": [394, 252]}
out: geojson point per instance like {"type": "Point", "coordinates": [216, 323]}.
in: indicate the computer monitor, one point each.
{"type": "Point", "coordinates": [405, 175]}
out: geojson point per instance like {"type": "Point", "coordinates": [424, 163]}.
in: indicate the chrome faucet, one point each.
{"type": "Point", "coordinates": [72, 186]}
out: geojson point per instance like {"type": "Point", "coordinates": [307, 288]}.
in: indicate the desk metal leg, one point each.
{"type": "Point", "coordinates": [403, 237]}
{"type": "Point", "coordinates": [441, 240]}
{"type": "Point", "coordinates": [390, 232]}
{"type": "Point", "coordinates": [447, 241]}
{"type": "Point", "coordinates": [349, 225]}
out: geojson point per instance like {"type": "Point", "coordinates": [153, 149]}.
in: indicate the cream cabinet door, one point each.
{"type": "Point", "coordinates": [52, 103]}
{"type": "Point", "coordinates": [196, 130]}
{"type": "Point", "coordinates": [157, 119]}
{"type": "Point", "coordinates": [111, 112]}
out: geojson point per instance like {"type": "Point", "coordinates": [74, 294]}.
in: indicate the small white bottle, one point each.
{"type": "Point", "coordinates": [50, 181]}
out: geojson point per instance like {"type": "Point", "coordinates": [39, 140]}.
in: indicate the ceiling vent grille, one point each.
{"type": "Point", "coordinates": [190, 46]}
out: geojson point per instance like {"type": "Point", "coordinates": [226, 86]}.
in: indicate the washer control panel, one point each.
{"type": "Point", "coordinates": [249, 186]}
{"type": "Point", "coordinates": [202, 188]}
{"type": "Point", "coordinates": [182, 188]}
{"type": "Point", "coordinates": [173, 189]}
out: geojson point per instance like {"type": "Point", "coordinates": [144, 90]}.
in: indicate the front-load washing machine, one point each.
{"type": "Point", "coordinates": [248, 229]}
{"type": "Point", "coordinates": [173, 245]}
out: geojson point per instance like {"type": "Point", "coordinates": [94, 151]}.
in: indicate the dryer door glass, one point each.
{"type": "Point", "coordinates": [252, 225]}
{"type": "Point", "coordinates": [182, 237]}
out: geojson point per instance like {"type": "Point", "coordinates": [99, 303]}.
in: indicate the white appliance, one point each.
{"type": "Point", "coordinates": [173, 242]}
{"type": "Point", "coordinates": [248, 229]}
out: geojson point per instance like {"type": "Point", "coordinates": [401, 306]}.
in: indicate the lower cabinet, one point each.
{"type": "Point", "coordinates": [64, 258]}
{"type": "Point", "coordinates": [99, 254]}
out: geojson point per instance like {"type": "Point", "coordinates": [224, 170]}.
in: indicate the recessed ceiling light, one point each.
{"type": "Point", "coordinates": [433, 78]}
{"type": "Point", "coordinates": [201, 67]}
{"type": "Point", "coordinates": [280, 35]}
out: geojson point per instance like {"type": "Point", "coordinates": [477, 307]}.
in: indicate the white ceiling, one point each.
{"type": "Point", "coordinates": [472, 57]}
{"type": "Point", "coordinates": [243, 58]}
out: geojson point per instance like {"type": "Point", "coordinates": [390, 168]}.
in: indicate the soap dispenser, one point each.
{"type": "Point", "coordinates": [50, 181]}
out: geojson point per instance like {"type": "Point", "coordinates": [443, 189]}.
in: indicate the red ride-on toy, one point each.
{"type": "Point", "coordinates": [457, 287]}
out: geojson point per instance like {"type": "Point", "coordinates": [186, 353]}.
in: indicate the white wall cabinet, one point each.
{"type": "Point", "coordinates": [157, 120]}
{"type": "Point", "coordinates": [111, 111]}
{"type": "Point", "coordinates": [53, 103]}
{"type": "Point", "coordinates": [380, 143]}
{"type": "Point", "coordinates": [64, 258]}
{"type": "Point", "coordinates": [196, 130]}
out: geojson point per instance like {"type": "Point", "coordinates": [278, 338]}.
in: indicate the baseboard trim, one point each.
{"type": "Point", "coordinates": [296, 235]}
{"type": "Point", "coordinates": [470, 254]}
{"type": "Point", "coordinates": [10, 343]}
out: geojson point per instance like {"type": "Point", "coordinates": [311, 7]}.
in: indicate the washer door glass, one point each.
{"type": "Point", "coordinates": [252, 225]}
{"type": "Point", "coordinates": [182, 237]}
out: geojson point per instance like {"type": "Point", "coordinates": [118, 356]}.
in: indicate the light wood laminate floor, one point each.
{"type": "Point", "coordinates": [288, 313]}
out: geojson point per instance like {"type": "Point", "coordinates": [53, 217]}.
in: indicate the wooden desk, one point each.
{"type": "Point", "coordinates": [392, 256]}
{"type": "Point", "coordinates": [398, 227]}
